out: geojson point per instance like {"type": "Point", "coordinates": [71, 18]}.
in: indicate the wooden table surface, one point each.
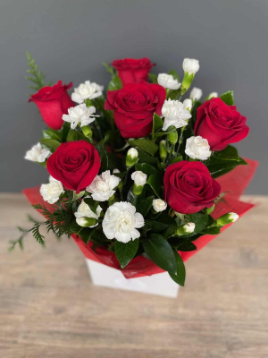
{"type": "Point", "coordinates": [49, 308]}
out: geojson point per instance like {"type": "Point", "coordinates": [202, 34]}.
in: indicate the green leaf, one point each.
{"type": "Point", "coordinates": [51, 144]}
{"type": "Point", "coordinates": [212, 231]}
{"type": "Point", "coordinates": [52, 134]}
{"type": "Point", "coordinates": [181, 273]}
{"type": "Point", "coordinates": [146, 168]}
{"type": "Point", "coordinates": [156, 184]}
{"type": "Point", "coordinates": [109, 69]}
{"type": "Point", "coordinates": [126, 252]}
{"type": "Point", "coordinates": [228, 154]}
{"type": "Point", "coordinates": [76, 196]}
{"type": "Point", "coordinates": [74, 135]}
{"type": "Point", "coordinates": [157, 124]}
{"type": "Point", "coordinates": [177, 159]}
{"type": "Point", "coordinates": [200, 220]}
{"type": "Point", "coordinates": [153, 77]}
{"type": "Point", "coordinates": [64, 131]}
{"type": "Point", "coordinates": [160, 252]}
{"type": "Point", "coordinates": [103, 156]}
{"type": "Point", "coordinates": [75, 228]}
{"type": "Point", "coordinates": [174, 74]}
{"type": "Point", "coordinates": [170, 129]}
{"type": "Point", "coordinates": [228, 98]}
{"type": "Point", "coordinates": [114, 84]}
{"type": "Point", "coordinates": [146, 145]}
{"type": "Point", "coordinates": [146, 158]}
{"type": "Point", "coordinates": [144, 206]}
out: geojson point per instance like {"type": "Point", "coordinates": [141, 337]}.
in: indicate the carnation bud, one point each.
{"type": "Point", "coordinates": [132, 157]}
{"type": "Point", "coordinates": [227, 219]}
{"type": "Point", "coordinates": [186, 229]}
{"type": "Point", "coordinates": [212, 95]}
{"type": "Point", "coordinates": [173, 137]}
{"type": "Point", "coordinates": [190, 67]}
{"type": "Point", "coordinates": [140, 180]}
{"type": "Point", "coordinates": [86, 222]}
{"type": "Point", "coordinates": [87, 131]}
{"type": "Point", "coordinates": [162, 150]}
{"type": "Point", "coordinates": [196, 94]}
{"type": "Point", "coordinates": [159, 205]}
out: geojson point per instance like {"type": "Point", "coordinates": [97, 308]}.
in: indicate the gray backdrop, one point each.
{"type": "Point", "coordinates": [70, 39]}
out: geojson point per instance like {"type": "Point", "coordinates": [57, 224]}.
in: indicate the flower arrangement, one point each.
{"type": "Point", "coordinates": [133, 174]}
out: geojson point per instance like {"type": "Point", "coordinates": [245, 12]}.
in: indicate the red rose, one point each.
{"type": "Point", "coordinates": [131, 70]}
{"type": "Point", "coordinates": [75, 164]}
{"type": "Point", "coordinates": [220, 124]}
{"type": "Point", "coordinates": [134, 107]}
{"type": "Point", "coordinates": [53, 102]}
{"type": "Point", "coordinates": [189, 187]}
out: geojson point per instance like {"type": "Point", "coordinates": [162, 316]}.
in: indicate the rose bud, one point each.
{"type": "Point", "coordinates": [227, 219]}
{"type": "Point", "coordinates": [53, 102]}
{"type": "Point", "coordinates": [131, 70]}
{"type": "Point", "coordinates": [220, 124]}
{"type": "Point", "coordinates": [186, 229]}
{"type": "Point", "coordinates": [140, 180]}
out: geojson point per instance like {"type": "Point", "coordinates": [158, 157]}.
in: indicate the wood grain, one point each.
{"type": "Point", "coordinates": [49, 308]}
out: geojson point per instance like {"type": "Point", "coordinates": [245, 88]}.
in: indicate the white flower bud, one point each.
{"type": "Point", "coordinates": [132, 157]}
{"type": "Point", "coordinates": [52, 191]}
{"type": "Point", "coordinates": [80, 114]}
{"type": "Point", "coordinates": [121, 222]}
{"type": "Point", "coordinates": [37, 153]}
{"type": "Point", "coordinates": [227, 219]}
{"type": "Point", "coordinates": [85, 217]}
{"type": "Point", "coordinates": [85, 91]}
{"type": "Point", "coordinates": [102, 186]}
{"type": "Point", "coordinates": [213, 95]}
{"type": "Point", "coordinates": [116, 171]}
{"type": "Point", "coordinates": [190, 66]}
{"type": "Point", "coordinates": [139, 178]}
{"type": "Point", "coordinates": [186, 229]}
{"type": "Point", "coordinates": [196, 94]}
{"type": "Point", "coordinates": [197, 148]}
{"type": "Point", "coordinates": [159, 205]}
{"type": "Point", "coordinates": [168, 81]}
{"type": "Point", "coordinates": [188, 104]}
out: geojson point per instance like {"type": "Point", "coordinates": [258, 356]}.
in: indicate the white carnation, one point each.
{"type": "Point", "coordinates": [159, 205]}
{"type": "Point", "coordinates": [197, 148]}
{"type": "Point", "coordinates": [86, 90]}
{"type": "Point", "coordinates": [190, 65]}
{"type": "Point", "coordinates": [196, 94]}
{"type": "Point", "coordinates": [139, 178]}
{"type": "Point", "coordinates": [52, 191]}
{"type": "Point", "coordinates": [175, 113]}
{"type": "Point", "coordinates": [102, 186]}
{"type": "Point", "coordinates": [168, 81]}
{"type": "Point", "coordinates": [84, 212]}
{"type": "Point", "coordinates": [80, 114]}
{"type": "Point", "coordinates": [121, 222]}
{"type": "Point", "coordinates": [37, 153]}
{"type": "Point", "coordinates": [133, 153]}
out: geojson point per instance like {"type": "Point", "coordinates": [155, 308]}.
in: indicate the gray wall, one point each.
{"type": "Point", "coordinates": [70, 39]}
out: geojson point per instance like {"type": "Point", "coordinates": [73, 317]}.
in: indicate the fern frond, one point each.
{"type": "Point", "coordinates": [36, 77]}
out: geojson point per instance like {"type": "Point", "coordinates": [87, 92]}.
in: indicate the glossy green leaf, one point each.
{"type": "Point", "coordinates": [157, 124]}
{"type": "Point", "coordinates": [146, 145]}
{"type": "Point", "coordinates": [146, 168]}
{"type": "Point", "coordinates": [153, 77]}
{"type": "Point", "coordinates": [146, 158]}
{"type": "Point", "coordinates": [160, 252]}
{"type": "Point", "coordinates": [51, 144]}
{"type": "Point", "coordinates": [103, 156]}
{"type": "Point", "coordinates": [179, 278]}
{"type": "Point", "coordinates": [126, 252]}
{"type": "Point", "coordinates": [228, 98]}
{"type": "Point", "coordinates": [144, 206]}
{"type": "Point", "coordinates": [212, 231]}
{"type": "Point", "coordinates": [200, 220]}
{"type": "Point", "coordinates": [156, 183]}
{"type": "Point", "coordinates": [52, 134]}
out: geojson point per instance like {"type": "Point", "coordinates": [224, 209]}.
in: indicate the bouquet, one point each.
{"type": "Point", "coordinates": [138, 175]}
